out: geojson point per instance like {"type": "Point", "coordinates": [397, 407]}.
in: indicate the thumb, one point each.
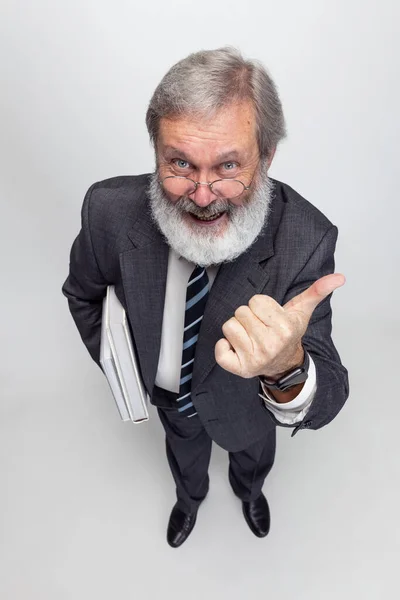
{"type": "Point", "coordinates": [308, 300]}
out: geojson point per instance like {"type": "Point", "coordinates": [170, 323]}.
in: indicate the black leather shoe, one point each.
{"type": "Point", "coordinates": [256, 513]}
{"type": "Point", "coordinates": [180, 525]}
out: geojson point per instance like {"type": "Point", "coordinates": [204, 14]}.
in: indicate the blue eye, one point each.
{"type": "Point", "coordinates": [179, 162]}
{"type": "Point", "coordinates": [233, 165]}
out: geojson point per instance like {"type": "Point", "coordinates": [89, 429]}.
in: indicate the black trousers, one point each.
{"type": "Point", "coordinates": [188, 448]}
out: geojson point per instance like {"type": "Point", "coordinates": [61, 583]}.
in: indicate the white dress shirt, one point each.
{"type": "Point", "coordinates": [169, 364]}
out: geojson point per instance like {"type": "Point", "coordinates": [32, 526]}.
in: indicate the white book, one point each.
{"type": "Point", "coordinates": [119, 361]}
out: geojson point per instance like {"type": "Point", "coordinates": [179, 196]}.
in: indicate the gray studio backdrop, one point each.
{"type": "Point", "coordinates": [85, 498]}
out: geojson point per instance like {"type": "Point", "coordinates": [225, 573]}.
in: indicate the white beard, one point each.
{"type": "Point", "coordinates": [206, 247]}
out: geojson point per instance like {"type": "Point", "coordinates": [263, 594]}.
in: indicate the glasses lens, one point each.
{"type": "Point", "coordinates": [181, 186]}
{"type": "Point", "coordinates": [227, 188]}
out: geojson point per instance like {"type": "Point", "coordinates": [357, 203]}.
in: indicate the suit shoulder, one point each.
{"type": "Point", "coordinates": [302, 226]}
{"type": "Point", "coordinates": [120, 186]}
{"type": "Point", "coordinates": [112, 206]}
{"type": "Point", "coordinates": [116, 198]}
{"type": "Point", "coordinates": [298, 209]}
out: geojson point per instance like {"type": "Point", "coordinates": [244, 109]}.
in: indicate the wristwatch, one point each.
{"type": "Point", "coordinates": [287, 381]}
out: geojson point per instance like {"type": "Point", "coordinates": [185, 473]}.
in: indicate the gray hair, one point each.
{"type": "Point", "coordinates": [206, 81]}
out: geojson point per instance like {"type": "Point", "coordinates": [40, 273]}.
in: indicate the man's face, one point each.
{"type": "Point", "coordinates": [208, 150]}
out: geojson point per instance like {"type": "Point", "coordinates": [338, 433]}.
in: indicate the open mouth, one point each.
{"type": "Point", "coordinates": [215, 217]}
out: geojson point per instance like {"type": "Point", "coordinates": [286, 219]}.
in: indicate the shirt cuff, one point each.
{"type": "Point", "coordinates": [294, 411]}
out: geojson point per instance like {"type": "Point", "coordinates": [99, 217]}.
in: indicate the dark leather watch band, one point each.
{"type": "Point", "coordinates": [294, 377]}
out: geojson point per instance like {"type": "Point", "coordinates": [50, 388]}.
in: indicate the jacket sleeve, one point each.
{"type": "Point", "coordinates": [85, 285]}
{"type": "Point", "coordinates": [332, 385]}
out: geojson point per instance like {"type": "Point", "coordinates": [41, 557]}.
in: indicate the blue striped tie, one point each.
{"type": "Point", "coordinates": [196, 298]}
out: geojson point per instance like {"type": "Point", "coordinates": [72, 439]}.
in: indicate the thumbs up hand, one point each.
{"type": "Point", "coordinates": [264, 338]}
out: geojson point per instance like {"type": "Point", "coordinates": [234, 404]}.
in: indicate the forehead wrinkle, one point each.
{"type": "Point", "coordinates": [229, 135]}
{"type": "Point", "coordinates": [220, 156]}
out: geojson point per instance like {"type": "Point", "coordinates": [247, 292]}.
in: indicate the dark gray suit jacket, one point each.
{"type": "Point", "coordinates": [120, 244]}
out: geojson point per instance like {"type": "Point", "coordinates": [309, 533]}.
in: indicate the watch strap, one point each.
{"type": "Point", "coordinates": [294, 377]}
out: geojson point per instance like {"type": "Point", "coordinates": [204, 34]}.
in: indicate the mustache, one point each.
{"type": "Point", "coordinates": [185, 205]}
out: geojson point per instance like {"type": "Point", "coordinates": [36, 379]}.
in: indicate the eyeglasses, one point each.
{"type": "Point", "coordinates": [223, 188]}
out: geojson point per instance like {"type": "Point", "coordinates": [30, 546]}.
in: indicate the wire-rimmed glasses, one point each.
{"type": "Point", "coordinates": [223, 188]}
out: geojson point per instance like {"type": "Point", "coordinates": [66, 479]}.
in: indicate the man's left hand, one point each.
{"type": "Point", "coordinates": [264, 338]}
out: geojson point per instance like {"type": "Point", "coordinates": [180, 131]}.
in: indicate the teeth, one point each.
{"type": "Point", "coordinates": [209, 218]}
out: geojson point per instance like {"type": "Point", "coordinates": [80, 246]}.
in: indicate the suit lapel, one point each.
{"type": "Point", "coordinates": [144, 275]}
{"type": "Point", "coordinates": [233, 286]}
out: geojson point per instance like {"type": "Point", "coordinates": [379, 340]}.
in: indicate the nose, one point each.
{"type": "Point", "coordinates": [202, 196]}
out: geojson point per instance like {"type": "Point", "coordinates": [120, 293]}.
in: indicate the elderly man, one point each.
{"type": "Point", "coordinates": [226, 276]}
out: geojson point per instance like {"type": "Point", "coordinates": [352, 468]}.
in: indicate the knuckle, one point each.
{"type": "Point", "coordinates": [227, 326]}
{"type": "Point", "coordinates": [253, 302]}
{"type": "Point", "coordinates": [241, 311]}
{"type": "Point", "coordinates": [258, 300]}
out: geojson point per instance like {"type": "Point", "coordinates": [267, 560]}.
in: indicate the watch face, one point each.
{"type": "Point", "coordinates": [299, 375]}
{"type": "Point", "coordinates": [296, 381]}
{"type": "Point", "coordinates": [295, 378]}
{"type": "Point", "coordinates": [290, 376]}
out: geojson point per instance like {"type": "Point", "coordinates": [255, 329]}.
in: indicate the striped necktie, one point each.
{"type": "Point", "coordinates": [196, 298]}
